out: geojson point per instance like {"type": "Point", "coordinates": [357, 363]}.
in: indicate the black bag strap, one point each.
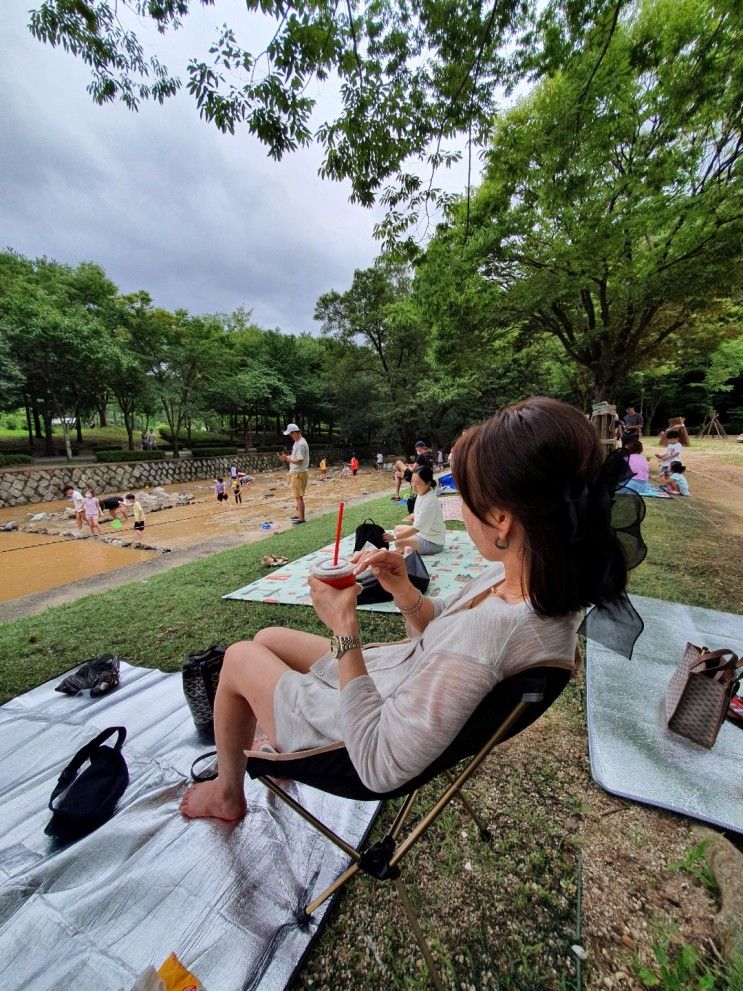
{"type": "Point", "coordinates": [70, 772]}
{"type": "Point", "coordinates": [208, 775]}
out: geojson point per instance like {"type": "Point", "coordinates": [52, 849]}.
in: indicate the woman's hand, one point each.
{"type": "Point", "coordinates": [388, 567]}
{"type": "Point", "coordinates": [336, 607]}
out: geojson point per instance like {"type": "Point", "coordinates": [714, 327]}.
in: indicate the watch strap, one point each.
{"type": "Point", "coordinates": [340, 645]}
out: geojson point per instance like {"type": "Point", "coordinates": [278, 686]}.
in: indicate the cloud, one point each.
{"type": "Point", "coordinates": [163, 201]}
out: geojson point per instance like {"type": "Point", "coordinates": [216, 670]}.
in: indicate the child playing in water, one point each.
{"type": "Point", "coordinates": [76, 498]}
{"type": "Point", "coordinates": [219, 489]}
{"type": "Point", "coordinates": [677, 484]}
{"type": "Point", "coordinates": [323, 468]}
{"type": "Point", "coordinates": [136, 507]}
{"type": "Point", "coordinates": [92, 510]}
{"type": "Point", "coordinates": [236, 489]}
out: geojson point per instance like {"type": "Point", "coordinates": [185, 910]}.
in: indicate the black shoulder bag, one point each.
{"type": "Point", "coordinates": [90, 799]}
{"type": "Point", "coordinates": [370, 532]}
{"type": "Point", "coordinates": [372, 591]}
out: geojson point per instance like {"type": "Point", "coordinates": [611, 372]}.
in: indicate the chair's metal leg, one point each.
{"type": "Point", "coordinates": [433, 973]}
{"type": "Point", "coordinates": [460, 780]}
{"type": "Point", "coordinates": [402, 815]}
{"type": "Point", "coordinates": [331, 889]}
{"type": "Point", "coordinates": [485, 833]}
{"type": "Point", "coordinates": [313, 820]}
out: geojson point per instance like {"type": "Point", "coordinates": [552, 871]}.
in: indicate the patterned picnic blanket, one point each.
{"type": "Point", "coordinates": [287, 585]}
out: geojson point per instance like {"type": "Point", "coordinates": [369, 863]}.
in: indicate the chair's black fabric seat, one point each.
{"type": "Point", "coordinates": [333, 772]}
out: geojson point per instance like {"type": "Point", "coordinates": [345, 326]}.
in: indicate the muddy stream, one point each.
{"type": "Point", "coordinates": [33, 562]}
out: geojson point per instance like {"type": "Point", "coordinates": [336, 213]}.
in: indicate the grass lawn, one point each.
{"type": "Point", "coordinates": [511, 925]}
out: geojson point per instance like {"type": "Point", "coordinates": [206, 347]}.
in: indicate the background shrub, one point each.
{"type": "Point", "coordinates": [15, 459]}
{"type": "Point", "coordinates": [204, 438]}
{"type": "Point", "coordinates": [109, 456]}
{"type": "Point", "coordinates": [215, 452]}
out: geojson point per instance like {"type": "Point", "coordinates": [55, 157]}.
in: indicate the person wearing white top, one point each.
{"type": "Point", "coordinates": [537, 505]}
{"type": "Point", "coordinates": [427, 535]}
{"type": "Point", "coordinates": [672, 452]}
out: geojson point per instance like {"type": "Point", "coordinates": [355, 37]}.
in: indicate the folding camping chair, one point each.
{"type": "Point", "coordinates": [509, 708]}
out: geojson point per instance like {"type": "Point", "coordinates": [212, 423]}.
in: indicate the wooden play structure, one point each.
{"type": "Point", "coordinates": [712, 426]}
{"type": "Point", "coordinates": [604, 417]}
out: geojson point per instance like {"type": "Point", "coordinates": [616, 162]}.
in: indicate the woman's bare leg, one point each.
{"type": "Point", "coordinates": [247, 684]}
{"type": "Point", "coordinates": [296, 649]}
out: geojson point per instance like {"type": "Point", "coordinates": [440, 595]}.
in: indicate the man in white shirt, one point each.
{"type": "Point", "coordinates": [299, 463]}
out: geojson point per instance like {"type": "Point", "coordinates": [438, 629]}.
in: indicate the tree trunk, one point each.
{"type": "Point", "coordinates": [37, 421]}
{"type": "Point", "coordinates": [27, 404]}
{"type": "Point", "coordinates": [66, 435]}
{"type": "Point", "coordinates": [101, 407]}
{"type": "Point", "coordinates": [79, 429]}
{"type": "Point", "coordinates": [48, 441]}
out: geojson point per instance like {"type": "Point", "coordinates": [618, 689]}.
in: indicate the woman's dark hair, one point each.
{"type": "Point", "coordinates": [634, 446]}
{"type": "Point", "coordinates": [671, 433]}
{"type": "Point", "coordinates": [678, 467]}
{"type": "Point", "coordinates": [539, 460]}
{"type": "Point", "coordinates": [425, 473]}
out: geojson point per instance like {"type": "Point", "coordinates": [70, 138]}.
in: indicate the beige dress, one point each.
{"type": "Point", "coordinates": [419, 692]}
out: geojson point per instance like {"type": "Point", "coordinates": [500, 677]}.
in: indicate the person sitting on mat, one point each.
{"type": "Point", "coordinates": [537, 504]}
{"type": "Point", "coordinates": [427, 535]}
{"type": "Point", "coordinates": [677, 484]}
{"type": "Point", "coordinates": [404, 469]}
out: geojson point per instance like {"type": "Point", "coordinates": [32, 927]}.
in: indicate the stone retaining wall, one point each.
{"type": "Point", "coordinates": [22, 485]}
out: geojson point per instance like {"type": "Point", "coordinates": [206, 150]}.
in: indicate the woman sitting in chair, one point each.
{"type": "Point", "coordinates": [537, 505]}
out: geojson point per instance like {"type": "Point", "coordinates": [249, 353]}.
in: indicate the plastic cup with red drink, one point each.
{"type": "Point", "coordinates": [340, 575]}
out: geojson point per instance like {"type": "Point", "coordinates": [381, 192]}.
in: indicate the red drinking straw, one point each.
{"type": "Point", "coordinates": [338, 526]}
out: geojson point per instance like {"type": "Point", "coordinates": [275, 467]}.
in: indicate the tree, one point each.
{"type": "Point", "coordinates": [53, 317]}
{"type": "Point", "coordinates": [182, 355]}
{"type": "Point", "coordinates": [11, 378]}
{"type": "Point", "coordinates": [408, 77]}
{"type": "Point", "coordinates": [378, 312]}
{"type": "Point", "coordinates": [610, 210]}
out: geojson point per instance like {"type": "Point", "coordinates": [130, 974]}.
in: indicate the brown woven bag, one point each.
{"type": "Point", "coordinates": [699, 693]}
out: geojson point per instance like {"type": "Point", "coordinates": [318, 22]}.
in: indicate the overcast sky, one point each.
{"type": "Point", "coordinates": [163, 201]}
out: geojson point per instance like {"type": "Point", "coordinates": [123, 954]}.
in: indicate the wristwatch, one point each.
{"type": "Point", "coordinates": [339, 645]}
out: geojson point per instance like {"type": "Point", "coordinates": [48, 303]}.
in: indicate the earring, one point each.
{"type": "Point", "coordinates": [502, 546]}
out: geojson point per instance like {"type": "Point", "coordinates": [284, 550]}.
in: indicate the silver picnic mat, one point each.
{"type": "Point", "coordinates": [221, 896]}
{"type": "Point", "coordinates": [287, 585]}
{"type": "Point", "coordinates": [633, 754]}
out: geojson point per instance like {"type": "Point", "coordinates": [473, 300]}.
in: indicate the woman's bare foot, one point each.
{"type": "Point", "coordinates": [206, 800]}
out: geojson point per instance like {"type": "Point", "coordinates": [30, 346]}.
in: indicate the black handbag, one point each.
{"type": "Point", "coordinates": [411, 503]}
{"type": "Point", "coordinates": [372, 591]}
{"type": "Point", "coordinates": [89, 800]}
{"type": "Point", "coordinates": [372, 533]}
{"type": "Point", "coordinates": [200, 679]}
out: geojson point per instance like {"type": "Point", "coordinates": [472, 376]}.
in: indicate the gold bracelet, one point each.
{"type": "Point", "coordinates": [410, 610]}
